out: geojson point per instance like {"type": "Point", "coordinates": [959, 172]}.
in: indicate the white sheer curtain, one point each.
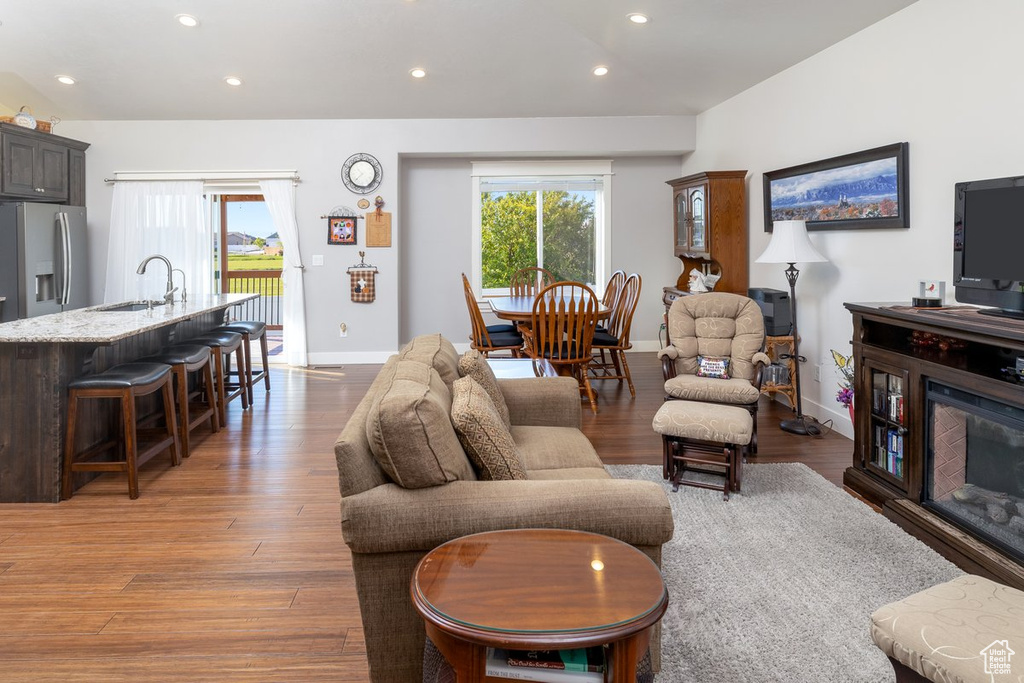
{"type": "Point", "coordinates": [166, 218]}
{"type": "Point", "coordinates": [279, 196]}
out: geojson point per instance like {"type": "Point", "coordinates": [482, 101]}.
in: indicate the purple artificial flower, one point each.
{"type": "Point", "coordinates": [845, 396]}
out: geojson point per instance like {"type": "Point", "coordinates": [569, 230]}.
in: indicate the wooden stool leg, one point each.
{"type": "Point", "coordinates": [266, 360]}
{"type": "Point", "coordinates": [181, 380]}
{"type": "Point", "coordinates": [209, 388]}
{"type": "Point", "coordinates": [172, 421]}
{"type": "Point", "coordinates": [247, 354]}
{"type": "Point", "coordinates": [66, 482]}
{"type": "Point", "coordinates": [130, 443]}
{"type": "Point", "coordinates": [217, 358]}
{"type": "Point", "coordinates": [246, 390]}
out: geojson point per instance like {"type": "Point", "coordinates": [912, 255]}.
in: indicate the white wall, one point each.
{"type": "Point", "coordinates": [944, 76]}
{"type": "Point", "coordinates": [407, 294]}
{"type": "Point", "coordinates": [437, 198]}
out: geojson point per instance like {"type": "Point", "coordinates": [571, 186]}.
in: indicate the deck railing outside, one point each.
{"type": "Point", "coordinates": [266, 283]}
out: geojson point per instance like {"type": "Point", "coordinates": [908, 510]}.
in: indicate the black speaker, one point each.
{"type": "Point", "coordinates": [774, 304]}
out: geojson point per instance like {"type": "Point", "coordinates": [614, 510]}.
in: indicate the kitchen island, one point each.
{"type": "Point", "coordinates": [40, 356]}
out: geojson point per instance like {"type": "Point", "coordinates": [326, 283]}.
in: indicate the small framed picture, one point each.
{"type": "Point", "coordinates": [341, 230]}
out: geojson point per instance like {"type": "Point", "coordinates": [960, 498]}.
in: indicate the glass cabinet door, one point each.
{"type": "Point", "coordinates": [698, 219]}
{"type": "Point", "coordinates": [682, 238]}
{"type": "Point", "coordinates": [888, 447]}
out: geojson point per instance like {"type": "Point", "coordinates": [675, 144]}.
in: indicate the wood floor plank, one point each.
{"type": "Point", "coordinates": [231, 567]}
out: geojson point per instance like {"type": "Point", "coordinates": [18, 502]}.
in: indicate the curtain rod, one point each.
{"type": "Point", "coordinates": [204, 176]}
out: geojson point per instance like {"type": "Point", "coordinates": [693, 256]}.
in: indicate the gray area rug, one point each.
{"type": "Point", "coordinates": [778, 583]}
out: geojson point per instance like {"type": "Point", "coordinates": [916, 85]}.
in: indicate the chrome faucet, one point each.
{"type": "Point", "coordinates": [171, 289]}
{"type": "Point", "coordinates": [184, 287]}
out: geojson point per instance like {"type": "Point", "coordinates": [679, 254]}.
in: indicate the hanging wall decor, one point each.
{"type": "Point", "coordinates": [342, 225]}
{"type": "Point", "coordinates": [362, 280]}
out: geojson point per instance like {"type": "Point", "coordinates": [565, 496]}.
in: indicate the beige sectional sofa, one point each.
{"type": "Point", "coordinates": [389, 527]}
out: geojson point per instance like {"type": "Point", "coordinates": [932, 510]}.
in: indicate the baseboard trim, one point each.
{"type": "Point", "coordinates": [334, 358]}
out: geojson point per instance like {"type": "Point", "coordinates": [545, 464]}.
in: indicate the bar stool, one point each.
{"type": "Point", "coordinates": [223, 343]}
{"type": "Point", "coordinates": [125, 383]}
{"type": "Point", "coordinates": [252, 329]}
{"type": "Point", "coordinates": [185, 359]}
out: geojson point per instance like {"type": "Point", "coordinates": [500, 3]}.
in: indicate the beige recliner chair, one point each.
{"type": "Point", "coordinates": [715, 325]}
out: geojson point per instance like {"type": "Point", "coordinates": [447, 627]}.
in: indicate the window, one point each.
{"type": "Point", "coordinates": [548, 214]}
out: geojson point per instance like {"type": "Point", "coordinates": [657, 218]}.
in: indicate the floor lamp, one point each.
{"type": "Point", "coordinates": [790, 244]}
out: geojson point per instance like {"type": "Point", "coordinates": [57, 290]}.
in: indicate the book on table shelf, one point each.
{"type": "Point", "coordinates": [514, 665]}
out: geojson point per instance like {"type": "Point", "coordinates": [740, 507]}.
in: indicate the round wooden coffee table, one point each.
{"type": "Point", "coordinates": [538, 589]}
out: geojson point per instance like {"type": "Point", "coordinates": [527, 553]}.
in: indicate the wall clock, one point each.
{"type": "Point", "coordinates": [361, 173]}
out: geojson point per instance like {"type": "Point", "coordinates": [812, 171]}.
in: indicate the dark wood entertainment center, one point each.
{"type": "Point", "coordinates": [899, 351]}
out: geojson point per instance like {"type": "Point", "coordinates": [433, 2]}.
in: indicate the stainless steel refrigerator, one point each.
{"type": "Point", "coordinates": [43, 259]}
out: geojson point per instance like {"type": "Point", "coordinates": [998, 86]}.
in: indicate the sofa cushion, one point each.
{"type": "Point", "coordinates": [474, 364]}
{"type": "Point", "coordinates": [410, 430]}
{"type": "Point", "coordinates": [693, 388]}
{"type": "Point", "coordinates": [552, 448]}
{"type": "Point", "coordinates": [483, 433]}
{"type": "Point", "coordinates": [435, 351]}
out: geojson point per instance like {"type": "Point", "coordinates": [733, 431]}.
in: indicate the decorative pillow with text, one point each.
{"type": "Point", "coordinates": [712, 367]}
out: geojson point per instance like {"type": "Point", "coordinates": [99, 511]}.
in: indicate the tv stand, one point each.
{"type": "Point", "coordinates": [897, 350]}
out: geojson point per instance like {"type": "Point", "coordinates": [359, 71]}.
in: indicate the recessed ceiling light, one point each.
{"type": "Point", "coordinates": [187, 20]}
{"type": "Point", "coordinates": [66, 80]}
{"type": "Point", "coordinates": [600, 70]}
{"type": "Point", "coordinates": [233, 81]}
{"type": "Point", "coordinates": [638, 18]}
{"type": "Point", "coordinates": [417, 73]}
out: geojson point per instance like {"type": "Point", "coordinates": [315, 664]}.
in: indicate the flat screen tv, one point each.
{"type": "Point", "coordinates": [988, 245]}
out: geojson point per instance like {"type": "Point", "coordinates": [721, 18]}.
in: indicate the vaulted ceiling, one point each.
{"type": "Point", "coordinates": [339, 59]}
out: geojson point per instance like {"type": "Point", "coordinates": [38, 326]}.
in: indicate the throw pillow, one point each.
{"type": "Point", "coordinates": [487, 441]}
{"type": "Point", "coordinates": [713, 367]}
{"type": "Point", "coordinates": [410, 430]}
{"type": "Point", "coordinates": [435, 351]}
{"type": "Point", "coordinates": [474, 364]}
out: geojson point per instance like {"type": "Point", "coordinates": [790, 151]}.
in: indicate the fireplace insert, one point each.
{"type": "Point", "coordinates": [974, 467]}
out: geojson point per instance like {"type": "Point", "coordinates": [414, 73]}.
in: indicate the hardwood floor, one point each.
{"type": "Point", "coordinates": [231, 567]}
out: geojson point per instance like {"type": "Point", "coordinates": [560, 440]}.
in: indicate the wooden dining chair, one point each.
{"type": "Point", "coordinates": [488, 338]}
{"type": "Point", "coordinates": [562, 331]}
{"type": "Point", "coordinates": [611, 290]}
{"type": "Point", "coordinates": [529, 281]}
{"type": "Point", "coordinates": [615, 338]}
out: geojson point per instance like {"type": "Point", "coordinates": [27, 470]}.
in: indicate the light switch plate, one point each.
{"type": "Point", "coordinates": [318, 259]}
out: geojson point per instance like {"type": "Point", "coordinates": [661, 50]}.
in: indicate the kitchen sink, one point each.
{"type": "Point", "coordinates": [130, 306]}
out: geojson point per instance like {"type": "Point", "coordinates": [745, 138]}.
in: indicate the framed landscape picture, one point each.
{"type": "Point", "coordinates": [866, 189]}
{"type": "Point", "coordinates": [341, 230]}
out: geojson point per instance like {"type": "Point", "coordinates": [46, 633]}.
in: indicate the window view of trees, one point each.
{"type": "Point", "coordinates": [510, 232]}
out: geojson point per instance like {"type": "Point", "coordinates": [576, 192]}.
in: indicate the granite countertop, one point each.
{"type": "Point", "coordinates": [94, 325]}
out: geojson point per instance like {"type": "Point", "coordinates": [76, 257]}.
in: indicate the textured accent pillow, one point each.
{"type": "Point", "coordinates": [713, 367]}
{"type": "Point", "coordinates": [487, 441]}
{"type": "Point", "coordinates": [435, 351]}
{"type": "Point", "coordinates": [410, 430]}
{"type": "Point", "coordinates": [474, 364]}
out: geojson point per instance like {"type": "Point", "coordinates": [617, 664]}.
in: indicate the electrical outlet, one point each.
{"type": "Point", "coordinates": [817, 373]}
{"type": "Point", "coordinates": [343, 329]}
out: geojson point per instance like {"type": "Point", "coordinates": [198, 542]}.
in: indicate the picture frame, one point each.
{"type": "Point", "coordinates": [341, 229]}
{"type": "Point", "coordinates": [858, 191]}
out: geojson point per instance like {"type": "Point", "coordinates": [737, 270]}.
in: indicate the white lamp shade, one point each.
{"type": "Point", "coordinates": [790, 244]}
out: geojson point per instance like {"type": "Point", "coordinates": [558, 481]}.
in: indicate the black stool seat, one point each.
{"type": "Point", "coordinates": [253, 328]}
{"type": "Point", "coordinates": [122, 376]}
{"type": "Point", "coordinates": [222, 338]}
{"type": "Point", "coordinates": [188, 354]}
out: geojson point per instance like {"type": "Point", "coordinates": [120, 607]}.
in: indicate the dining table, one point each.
{"type": "Point", "coordinates": [519, 309]}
